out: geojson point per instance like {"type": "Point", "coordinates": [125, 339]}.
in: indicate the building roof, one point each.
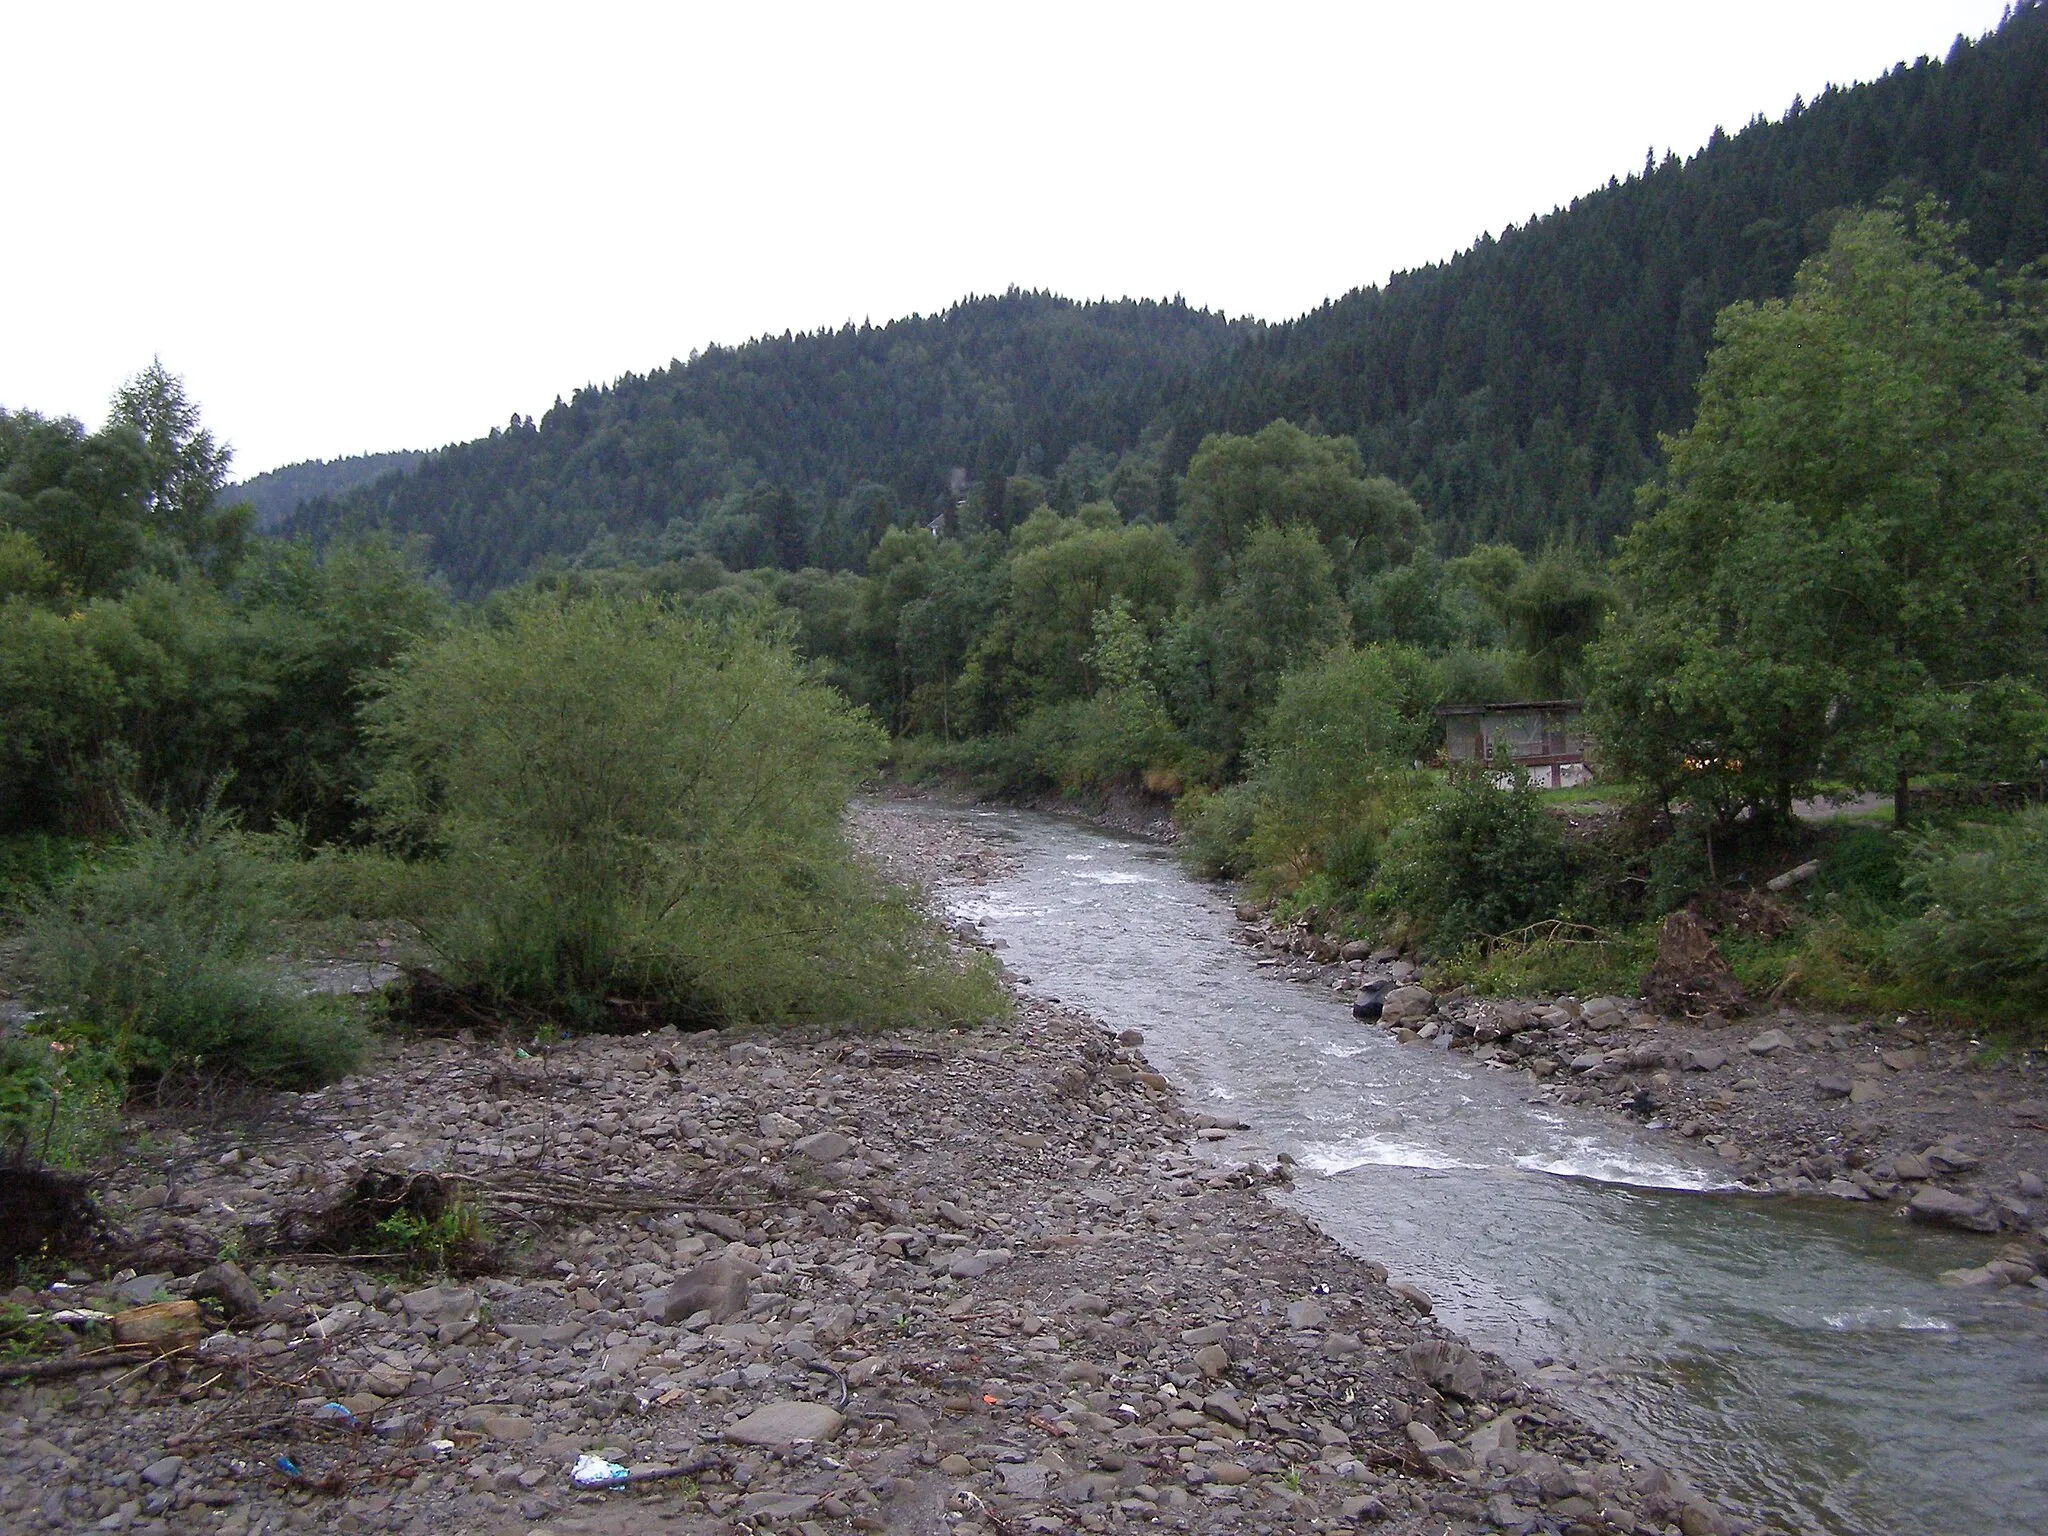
{"type": "Point", "coordinates": [1516, 707]}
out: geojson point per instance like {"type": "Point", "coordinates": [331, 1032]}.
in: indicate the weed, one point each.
{"type": "Point", "coordinates": [456, 1238]}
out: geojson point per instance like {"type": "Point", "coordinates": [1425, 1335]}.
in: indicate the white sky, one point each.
{"type": "Point", "coordinates": [366, 226]}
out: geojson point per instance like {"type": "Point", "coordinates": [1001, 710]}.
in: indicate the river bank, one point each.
{"type": "Point", "coordinates": [872, 1282]}
{"type": "Point", "coordinates": [1790, 1102]}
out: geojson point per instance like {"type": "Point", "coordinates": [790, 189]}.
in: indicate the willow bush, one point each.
{"type": "Point", "coordinates": [614, 799]}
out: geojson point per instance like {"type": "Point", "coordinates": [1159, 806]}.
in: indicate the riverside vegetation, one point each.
{"type": "Point", "coordinates": [601, 786]}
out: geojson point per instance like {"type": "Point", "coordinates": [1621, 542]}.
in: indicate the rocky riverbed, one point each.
{"type": "Point", "coordinates": [1792, 1102]}
{"type": "Point", "coordinates": [985, 1283]}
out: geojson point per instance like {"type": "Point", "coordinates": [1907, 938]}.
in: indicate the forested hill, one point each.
{"type": "Point", "coordinates": [1518, 389]}
{"type": "Point", "coordinates": [276, 492]}
{"type": "Point", "coordinates": [803, 422]}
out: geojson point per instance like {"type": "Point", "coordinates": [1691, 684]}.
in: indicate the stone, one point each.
{"type": "Point", "coordinates": [2031, 1186]}
{"type": "Point", "coordinates": [1948, 1159]}
{"type": "Point", "coordinates": [1446, 1365]}
{"type": "Point", "coordinates": [438, 1304]}
{"type": "Point", "coordinates": [717, 1286]}
{"type": "Point", "coordinates": [1212, 1360]}
{"type": "Point", "coordinates": [823, 1146]}
{"type": "Point", "coordinates": [1586, 1061]}
{"type": "Point", "coordinates": [509, 1427]}
{"type": "Point", "coordinates": [163, 1473]}
{"type": "Point", "coordinates": [1225, 1406]}
{"type": "Point", "coordinates": [1306, 1313]}
{"type": "Point", "coordinates": [1865, 1090]}
{"type": "Point", "coordinates": [1409, 1002]}
{"type": "Point", "coordinates": [785, 1422]}
{"type": "Point", "coordinates": [235, 1291]}
{"type": "Point", "coordinates": [141, 1290]}
{"type": "Point", "coordinates": [1230, 1474]}
{"type": "Point", "coordinates": [1088, 1304]}
{"type": "Point", "coordinates": [769, 1507]}
{"type": "Point", "coordinates": [1768, 1043]}
{"type": "Point", "coordinates": [1213, 1333]}
{"type": "Point", "coordinates": [1910, 1165]}
{"type": "Point", "coordinates": [1021, 1480]}
{"type": "Point", "coordinates": [386, 1380]}
{"type": "Point", "coordinates": [1945, 1208]}
{"type": "Point", "coordinates": [972, 1266]}
{"type": "Point", "coordinates": [1704, 1058]}
{"type": "Point", "coordinates": [1413, 1295]}
{"type": "Point", "coordinates": [1496, 1434]}
{"type": "Point", "coordinates": [1832, 1087]}
{"type": "Point", "coordinates": [718, 1224]}
{"type": "Point", "coordinates": [1901, 1061]}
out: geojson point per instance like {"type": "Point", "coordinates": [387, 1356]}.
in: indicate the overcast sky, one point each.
{"type": "Point", "coordinates": [363, 227]}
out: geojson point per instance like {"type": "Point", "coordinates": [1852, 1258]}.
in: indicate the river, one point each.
{"type": "Point", "coordinates": [1798, 1356]}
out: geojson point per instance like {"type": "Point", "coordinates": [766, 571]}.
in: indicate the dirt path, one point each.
{"type": "Point", "coordinates": [970, 1283]}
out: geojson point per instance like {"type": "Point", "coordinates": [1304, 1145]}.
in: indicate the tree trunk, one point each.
{"type": "Point", "coordinates": [1902, 800]}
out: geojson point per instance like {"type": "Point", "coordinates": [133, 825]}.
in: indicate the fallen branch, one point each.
{"type": "Point", "coordinates": [77, 1365]}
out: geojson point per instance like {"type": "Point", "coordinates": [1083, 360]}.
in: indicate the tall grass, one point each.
{"type": "Point", "coordinates": [155, 955]}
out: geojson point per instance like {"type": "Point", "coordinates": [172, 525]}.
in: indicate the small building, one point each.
{"type": "Point", "coordinates": [1539, 734]}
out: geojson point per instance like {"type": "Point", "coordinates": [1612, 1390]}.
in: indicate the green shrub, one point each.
{"type": "Point", "coordinates": [1983, 894]}
{"type": "Point", "coordinates": [1478, 862]}
{"type": "Point", "coordinates": [1216, 829]}
{"type": "Point", "coordinates": [34, 864]}
{"type": "Point", "coordinates": [59, 1100]}
{"type": "Point", "coordinates": [1679, 868]}
{"type": "Point", "coordinates": [615, 799]}
{"type": "Point", "coordinates": [156, 955]}
{"type": "Point", "coordinates": [1866, 864]}
{"type": "Point", "coordinates": [1554, 958]}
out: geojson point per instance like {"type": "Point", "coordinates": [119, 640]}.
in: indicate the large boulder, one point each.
{"type": "Point", "coordinates": [718, 1286]}
{"type": "Point", "coordinates": [1691, 976]}
{"type": "Point", "coordinates": [1405, 1003]}
{"type": "Point", "coordinates": [1945, 1208]}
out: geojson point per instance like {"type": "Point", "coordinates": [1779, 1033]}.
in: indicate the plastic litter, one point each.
{"type": "Point", "coordinates": [595, 1472]}
{"type": "Point", "coordinates": [334, 1413]}
{"type": "Point", "coordinates": [80, 1317]}
{"type": "Point", "coordinates": [440, 1447]}
{"type": "Point", "coordinates": [289, 1467]}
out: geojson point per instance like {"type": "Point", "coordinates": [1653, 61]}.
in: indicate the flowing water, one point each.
{"type": "Point", "coordinates": [1798, 1356]}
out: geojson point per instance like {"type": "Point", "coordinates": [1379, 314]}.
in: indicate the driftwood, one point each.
{"type": "Point", "coordinates": [77, 1365]}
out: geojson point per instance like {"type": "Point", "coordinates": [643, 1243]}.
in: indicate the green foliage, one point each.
{"type": "Point", "coordinates": [1982, 890]}
{"type": "Point", "coordinates": [59, 1100]}
{"type": "Point", "coordinates": [1679, 868]}
{"type": "Point", "coordinates": [1826, 584]}
{"type": "Point", "coordinates": [1556, 957]}
{"type": "Point", "coordinates": [1283, 477]}
{"type": "Point", "coordinates": [622, 800]}
{"type": "Point", "coordinates": [456, 1240]}
{"type": "Point", "coordinates": [774, 452]}
{"type": "Point", "coordinates": [1478, 862]}
{"type": "Point", "coordinates": [1216, 830]}
{"type": "Point", "coordinates": [1519, 389]}
{"type": "Point", "coordinates": [1331, 770]}
{"type": "Point", "coordinates": [156, 955]}
{"type": "Point", "coordinates": [1866, 866]}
